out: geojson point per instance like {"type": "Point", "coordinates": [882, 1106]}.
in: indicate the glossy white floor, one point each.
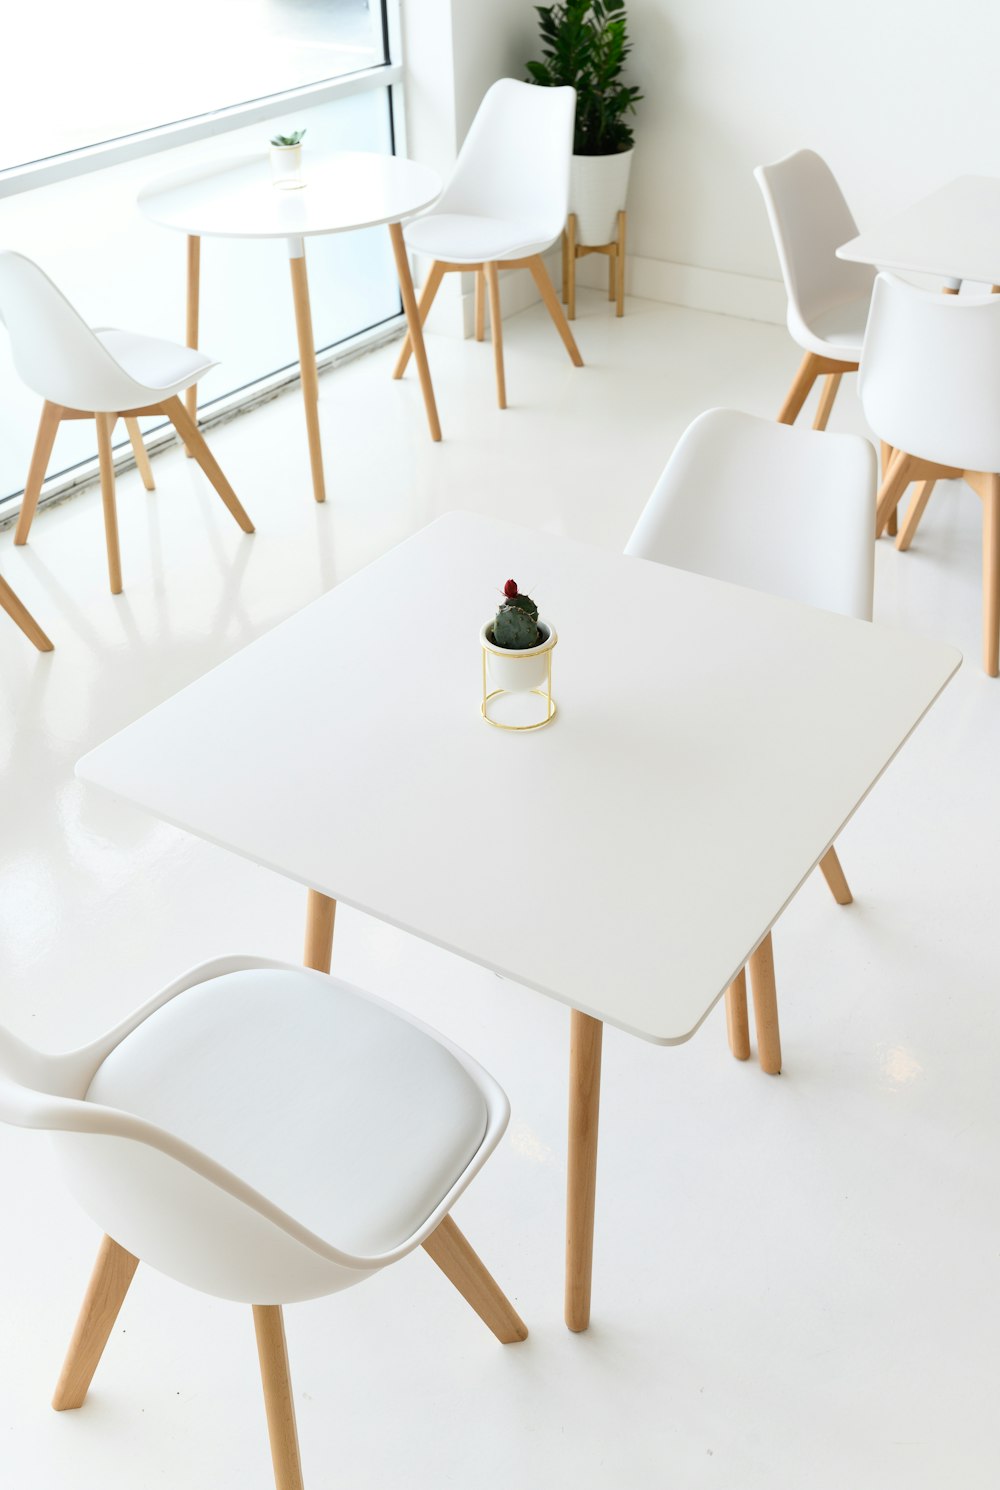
{"type": "Point", "coordinates": [796, 1277]}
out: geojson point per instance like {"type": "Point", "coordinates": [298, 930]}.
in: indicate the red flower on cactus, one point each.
{"type": "Point", "coordinates": [510, 589]}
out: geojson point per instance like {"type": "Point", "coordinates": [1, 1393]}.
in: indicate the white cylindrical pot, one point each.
{"type": "Point", "coordinates": [286, 166]}
{"type": "Point", "coordinates": [598, 186]}
{"type": "Point", "coordinates": [519, 671]}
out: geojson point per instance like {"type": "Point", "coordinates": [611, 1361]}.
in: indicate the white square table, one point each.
{"type": "Point", "coordinates": [710, 743]}
{"type": "Point", "coordinates": [954, 234]}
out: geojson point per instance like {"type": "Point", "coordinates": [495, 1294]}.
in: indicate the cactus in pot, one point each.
{"type": "Point", "coordinates": [515, 626]}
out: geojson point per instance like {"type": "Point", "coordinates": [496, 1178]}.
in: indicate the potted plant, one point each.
{"type": "Point", "coordinates": [585, 45]}
{"type": "Point", "coordinates": [286, 160]}
{"type": "Point", "coordinates": [517, 643]}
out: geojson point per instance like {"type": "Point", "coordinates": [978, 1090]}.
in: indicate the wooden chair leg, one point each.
{"type": "Point", "coordinates": [765, 1007]}
{"type": "Point", "coordinates": [109, 1283]}
{"type": "Point", "coordinates": [564, 243]}
{"type": "Point", "coordinates": [801, 388]}
{"type": "Point", "coordinates": [737, 1022]}
{"type": "Point", "coordinates": [540, 275]}
{"type": "Point", "coordinates": [321, 915]}
{"type": "Point", "coordinates": [620, 265]}
{"type": "Point", "coordinates": [496, 331]}
{"type": "Point", "coordinates": [427, 294]}
{"type": "Point", "coordinates": [480, 305]}
{"type": "Point", "coordinates": [831, 383]}
{"type": "Point", "coordinates": [914, 513]}
{"type": "Point", "coordinates": [191, 333]}
{"type": "Point", "coordinates": [105, 425]}
{"type": "Point", "coordinates": [991, 578]}
{"type": "Point", "coordinates": [44, 440]}
{"type": "Point", "coordinates": [461, 1266]}
{"type": "Point", "coordinates": [570, 296]}
{"type": "Point", "coordinates": [279, 1404]}
{"type": "Point", "coordinates": [192, 437]}
{"type": "Point", "coordinates": [585, 1045]}
{"type": "Point", "coordinates": [887, 454]}
{"type": "Point", "coordinates": [835, 877]}
{"type": "Point", "coordinates": [141, 454]}
{"type": "Point", "coordinates": [893, 486]}
{"type": "Point", "coordinates": [22, 617]}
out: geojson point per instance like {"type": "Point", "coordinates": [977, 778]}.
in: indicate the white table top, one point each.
{"type": "Point", "coordinates": [710, 743]}
{"type": "Point", "coordinates": [235, 197]}
{"type": "Point", "coordinates": [954, 233]}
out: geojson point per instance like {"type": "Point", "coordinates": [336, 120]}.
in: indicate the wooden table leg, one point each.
{"type": "Point", "coordinates": [416, 330]}
{"type": "Point", "coordinates": [307, 361]}
{"type": "Point", "coordinates": [585, 1040]}
{"type": "Point", "coordinates": [321, 913]}
{"type": "Point", "coordinates": [765, 1007]}
{"type": "Point", "coordinates": [193, 305]}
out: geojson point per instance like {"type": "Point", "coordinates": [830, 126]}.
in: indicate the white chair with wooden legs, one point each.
{"type": "Point", "coordinates": [828, 297]}
{"type": "Point", "coordinates": [101, 374]}
{"type": "Point", "coordinates": [930, 387]}
{"type": "Point", "coordinates": [504, 206]}
{"type": "Point", "coordinates": [267, 1134]}
{"type": "Point", "coordinates": [22, 617]}
{"type": "Point", "coordinates": [787, 511]}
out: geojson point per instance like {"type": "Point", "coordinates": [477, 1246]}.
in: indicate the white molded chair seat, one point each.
{"type": "Point", "coordinates": [104, 375]}
{"type": "Point", "coordinates": [263, 1133]}
{"type": "Point", "coordinates": [828, 298]}
{"type": "Point", "coordinates": [787, 511]}
{"type": "Point", "coordinates": [467, 239]}
{"type": "Point", "coordinates": [160, 367]}
{"type": "Point", "coordinates": [930, 388]}
{"type": "Point", "coordinates": [505, 203]}
{"type": "Point", "coordinates": [350, 1119]}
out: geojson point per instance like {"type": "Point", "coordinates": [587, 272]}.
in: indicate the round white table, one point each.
{"type": "Point", "coordinates": [236, 198]}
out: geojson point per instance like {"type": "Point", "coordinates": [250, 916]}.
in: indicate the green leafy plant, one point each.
{"type": "Point", "coordinates": [585, 45]}
{"type": "Point", "coordinates": [295, 138]}
{"type": "Point", "coordinates": [516, 624]}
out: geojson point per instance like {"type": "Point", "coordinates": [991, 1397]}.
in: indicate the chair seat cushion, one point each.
{"type": "Point", "coordinates": [352, 1120]}
{"type": "Point", "coordinates": [462, 239]}
{"type": "Point", "coordinates": [162, 366]}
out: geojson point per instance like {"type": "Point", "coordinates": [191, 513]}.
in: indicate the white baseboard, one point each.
{"type": "Point", "coordinates": [686, 284]}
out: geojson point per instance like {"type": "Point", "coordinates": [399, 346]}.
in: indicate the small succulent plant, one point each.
{"type": "Point", "coordinates": [295, 138]}
{"type": "Point", "coordinates": [516, 623]}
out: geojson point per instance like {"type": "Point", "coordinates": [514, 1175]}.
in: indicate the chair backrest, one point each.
{"type": "Point", "coordinates": [930, 374]}
{"type": "Point", "coordinates": [55, 351]}
{"type": "Point", "coordinates": [169, 1203]}
{"type": "Point", "coordinates": [810, 220]}
{"type": "Point", "coordinates": [775, 508]}
{"type": "Point", "coordinates": [515, 161]}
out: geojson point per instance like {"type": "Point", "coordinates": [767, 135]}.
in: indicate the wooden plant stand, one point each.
{"type": "Point", "coordinates": [571, 251]}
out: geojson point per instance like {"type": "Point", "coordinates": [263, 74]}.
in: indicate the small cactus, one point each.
{"type": "Point", "coordinates": [516, 624]}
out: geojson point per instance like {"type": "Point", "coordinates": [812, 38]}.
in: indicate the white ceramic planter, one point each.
{"type": "Point", "coordinates": [598, 186]}
{"type": "Point", "coordinates": [286, 167]}
{"type": "Point", "coordinates": [519, 671]}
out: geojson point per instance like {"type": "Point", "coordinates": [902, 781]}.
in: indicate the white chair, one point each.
{"type": "Point", "coordinates": [787, 511]}
{"type": "Point", "coordinates": [504, 205]}
{"type": "Point", "coordinates": [267, 1134]}
{"type": "Point", "coordinates": [101, 374]}
{"type": "Point", "coordinates": [930, 388]}
{"type": "Point", "coordinates": [21, 616]}
{"type": "Point", "coordinates": [828, 297]}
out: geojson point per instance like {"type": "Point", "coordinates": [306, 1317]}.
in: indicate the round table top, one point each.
{"type": "Point", "coordinates": [235, 197]}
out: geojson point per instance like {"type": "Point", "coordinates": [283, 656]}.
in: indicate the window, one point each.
{"type": "Point", "coordinates": [109, 73]}
{"type": "Point", "coordinates": [120, 269]}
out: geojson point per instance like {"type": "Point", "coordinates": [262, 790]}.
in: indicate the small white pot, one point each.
{"type": "Point", "coordinates": [519, 671]}
{"type": "Point", "coordinates": [598, 186]}
{"type": "Point", "coordinates": [286, 167]}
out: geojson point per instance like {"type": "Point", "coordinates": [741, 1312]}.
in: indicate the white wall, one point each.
{"type": "Point", "coordinates": [898, 95]}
